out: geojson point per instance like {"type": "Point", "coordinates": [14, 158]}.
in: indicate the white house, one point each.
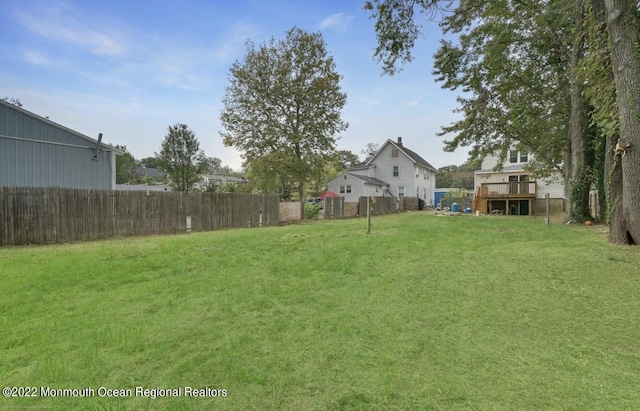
{"type": "Point", "coordinates": [393, 171]}
{"type": "Point", "coordinates": [513, 190]}
{"type": "Point", "coordinates": [218, 180]}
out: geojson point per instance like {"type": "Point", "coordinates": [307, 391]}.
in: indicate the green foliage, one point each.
{"type": "Point", "coordinates": [580, 195]}
{"type": "Point", "coordinates": [126, 166]}
{"type": "Point", "coordinates": [149, 162]}
{"type": "Point", "coordinates": [396, 29]}
{"type": "Point", "coordinates": [311, 211]}
{"type": "Point", "coordinates": [181, 159]}
{"type": "Point", "coordinates": [282, 110]}
{"type": "Point", "coordinates": [213, 165]}
{"type": "Point", "coordinates": [344, 160]}
{"type": "Point", "coordinates": [455, 177]}
{"type": "Point", "coordinates": [509, 61]}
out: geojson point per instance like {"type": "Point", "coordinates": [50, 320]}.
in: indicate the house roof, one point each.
{"type": "Point", "coordinates": [361, 166]}
{"type": "Point", "coordinates": [369, 180]}
{"type": "Point", "coordinates": [150, 172]}
{"type": "Point", "coordinates": [222, 177]}
{"type": "Point", "coordinates": [415, 157]}
{"type": "Point", "coordinates": [103, 146]}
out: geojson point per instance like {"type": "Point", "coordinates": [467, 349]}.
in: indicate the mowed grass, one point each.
{"type": "Point", "coordinates": [426, 312]}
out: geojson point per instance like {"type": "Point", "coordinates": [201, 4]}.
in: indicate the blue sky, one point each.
{"type": "Point", "coordinates": [129, 69]}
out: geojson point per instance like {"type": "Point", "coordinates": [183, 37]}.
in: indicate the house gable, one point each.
{"type": "Point", "coordinates": [407, 173]}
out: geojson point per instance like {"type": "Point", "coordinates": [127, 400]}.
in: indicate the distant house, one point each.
{"type": "Point", "coordinates": [218, 180]}
{"type": "Point", "coordinates": [36, 152]}
{"type": "Point", "coordinates": [393, 171]}
{"type": "Point", "coordinates": [151, 174]}
{"type": "Point", "coordinates": [513, 190]}
{"type": "Point", "coordinates": [143, 187]}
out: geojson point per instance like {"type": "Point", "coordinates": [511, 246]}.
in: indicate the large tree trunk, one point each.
{"type": "Point", "coordinates": [576, 185]}
{"type": "Point", "coordinates": [613, 183]}
{"type": "Point", "coordinates": [301, 197]}
{"type": "Point", "coordinates": [623, 31]}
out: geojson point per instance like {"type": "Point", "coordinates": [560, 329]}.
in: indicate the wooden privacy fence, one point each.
{"type": "Point", "coordinates": [381, 205]}
{"type": "Point", "coordinates": [334, 207]}
{"type": "Point", "coordinates": [54, 215]}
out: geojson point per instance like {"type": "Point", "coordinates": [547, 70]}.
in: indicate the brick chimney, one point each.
{"type": "Point", "coordinates": [400, 141]}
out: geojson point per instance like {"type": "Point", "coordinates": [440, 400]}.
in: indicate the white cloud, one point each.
{"type": "Point", "coordinates": [412, 103]}
{"type": "Point", "coordinates": [36, 58]}
{"type": "Point", "coordinates": [369, 101]}
{"type": "Point", "coordinates": [60, 24]}
{"type": "Point", "coordinates": [338, 21]}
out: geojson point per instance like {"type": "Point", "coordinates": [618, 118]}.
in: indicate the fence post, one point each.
{"type": "Point", "coordinates": [368, 215]}
{"type": "Point", "coordinates": [546, 200]}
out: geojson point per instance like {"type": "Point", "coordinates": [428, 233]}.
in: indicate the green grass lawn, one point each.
{"type": "Point", "coordinates": [426, 312]}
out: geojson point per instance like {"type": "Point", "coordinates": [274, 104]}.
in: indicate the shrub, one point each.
{"type": "Point", "coordinates": [311, 211]}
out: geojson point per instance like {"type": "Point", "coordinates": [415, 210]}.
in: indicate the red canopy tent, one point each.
{"type": "Point", "coordinates": [327, 194]}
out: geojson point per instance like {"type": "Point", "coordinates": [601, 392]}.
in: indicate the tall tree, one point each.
{"type": "Point", "coordinates": [282, 107]}
{"type": "Point", "coordinates": [517, 65]}
{"type": "Point", "coordinates": [622, 23]}
{"type": "Point", "coordinates": [213, 164]}
{"type": "Point", "coordinates": [455, 176]}
{"type": "Point", "coordinates": [149, 162]}
{"type": "Point", "coordinates": [126, 167]}
{"type": "Point", "coordinates": [180, 158]}
{"type": "Point", "coordinates": [345, 159]}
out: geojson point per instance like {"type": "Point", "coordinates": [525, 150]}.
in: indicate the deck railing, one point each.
{"type": "Point", "coordinates": [512, 189]}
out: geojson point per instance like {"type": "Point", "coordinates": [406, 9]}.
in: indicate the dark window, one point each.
{"type": "Point", "coordinates": [396, 171]}
{"type": "Point", "coordinates": [394, 153]}
{"type": "Point", "coordinates": [348, 189]}
{"type": "Point", "coordinates": [513, 156]}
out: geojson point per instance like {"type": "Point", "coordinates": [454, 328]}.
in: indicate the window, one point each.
{"type": "Point", "coordinates": [396, 171]}
{"type": "Point", "coordinates": [515, 157]}
{"type": "Point", "coordinates": [348, 189]}
{"type": "Point", "coordinates": [401, 191]}
{"type": "Point", "coordinates": [394, 153]}
{"type": "Point", "coordinates": [341, 189]}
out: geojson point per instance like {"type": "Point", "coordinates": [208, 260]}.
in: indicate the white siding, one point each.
{"type": "Point", "coordinates": [415, 184]}
{"type": "Point", "coordinates": [554, 187]}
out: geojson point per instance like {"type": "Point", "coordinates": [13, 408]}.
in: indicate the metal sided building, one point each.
{"type": "Point", "coordinates": [36, 152]}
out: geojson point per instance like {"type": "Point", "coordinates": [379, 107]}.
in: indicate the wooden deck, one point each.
{"type": "Point", "coordinates": [510, 190]}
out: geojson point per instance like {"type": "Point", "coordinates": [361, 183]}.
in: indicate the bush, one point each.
{"type": "Point", "coordinates": [311, 211]}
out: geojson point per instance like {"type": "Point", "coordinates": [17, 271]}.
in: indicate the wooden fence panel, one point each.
{"type": "Point", "coordinates": [49, 215]}
{"type": "Point", "coordinates": [333, 207]}
{"type": "Point", "coordinates": [381, 205]}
